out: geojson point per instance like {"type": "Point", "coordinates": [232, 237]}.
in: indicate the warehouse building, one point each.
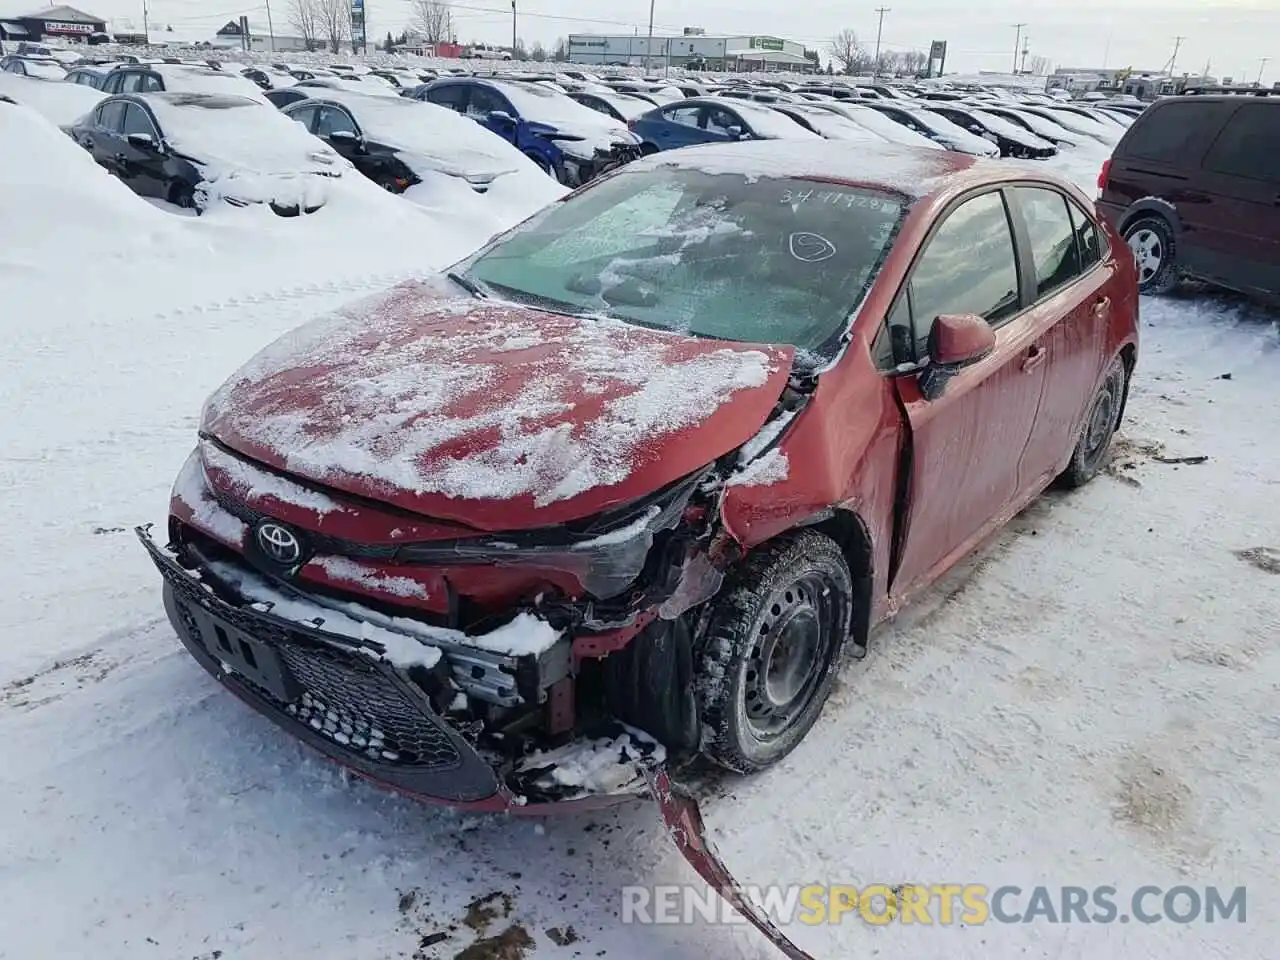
{"type": "Point", "coordinates": [692, 49]}
{"type": "Point", "coordinates": [53, 23]}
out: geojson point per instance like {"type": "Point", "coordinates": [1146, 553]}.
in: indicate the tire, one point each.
{"type": "Point", "coordinates": [183, 196]}
{"type": "Point", "coordinates": [760, 689]}
{"type": "Point", "coordinates": [1100, 423]}
{"type": "Point", "coordinates": [1155, 252]}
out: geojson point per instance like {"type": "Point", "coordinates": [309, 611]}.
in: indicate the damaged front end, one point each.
{"type": "Point", "coordinates": [492, 671]}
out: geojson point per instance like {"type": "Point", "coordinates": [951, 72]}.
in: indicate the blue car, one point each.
{"type": "Point", "coordinates": [712, 120]}
{"type": "Point", "coordinates": [570, 142]}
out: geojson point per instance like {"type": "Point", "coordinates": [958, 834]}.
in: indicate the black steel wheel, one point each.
{"type": "Point", "coordinates": [770, 652]}
{"type": "Point", "coordinates": [1100, 424]}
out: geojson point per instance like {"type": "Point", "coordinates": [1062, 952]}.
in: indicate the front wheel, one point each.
{"type": "Point", "coordinates": [771, 649]}
{"type": "Point", "coordinates": [1100, 424]}
{"type": "Point", "coordinates": [1154, 253]}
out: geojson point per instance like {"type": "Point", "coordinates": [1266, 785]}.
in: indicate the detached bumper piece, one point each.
{"type": "Point", "coordinates": [325, 691]}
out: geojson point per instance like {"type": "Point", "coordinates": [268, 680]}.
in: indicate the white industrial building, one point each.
{"type": "Point", "coordinates": [692, 48]}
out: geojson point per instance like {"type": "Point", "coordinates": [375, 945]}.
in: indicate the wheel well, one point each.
{"type": "Point", "coordinates": [1129, 357]}
{"type": "Point", "coordinates": [849, 532]}
{"type": "Point", "coordinates": [1141, 213]}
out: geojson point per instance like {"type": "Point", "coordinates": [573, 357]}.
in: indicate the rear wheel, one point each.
{"type": "Point", "coordinates": [1154, 253]}
{"type": "Point", "coordinates": [771, 649]}
{"type": "Point", "coordinates": [1100, 424]}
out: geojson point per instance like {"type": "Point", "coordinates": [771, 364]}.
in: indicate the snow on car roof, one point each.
{"type": "Point", "coordinates": [426, 129]}
{"type": "Point", "coordinates": [57, 101]}
{"type": "Point", "coordinates": [907, 170]}
{"type": "Point", "coordinates": [194, 79]}
{"type": "Point", "coordinates": [539, 102]}
{"type": "Point", "coordinates": [232, 133]}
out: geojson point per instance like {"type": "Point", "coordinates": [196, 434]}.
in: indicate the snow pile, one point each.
{"type": "Point", "coordinates": [410, 397]}
{"type": "Point", "coordinates": [59, 102]}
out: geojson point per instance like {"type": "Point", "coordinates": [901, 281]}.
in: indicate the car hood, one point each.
{"type": "Point", "coordinates": [489, 414]}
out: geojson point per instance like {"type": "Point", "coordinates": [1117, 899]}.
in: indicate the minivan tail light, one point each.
{"type": "Point", "coordinates": [1104, 174]}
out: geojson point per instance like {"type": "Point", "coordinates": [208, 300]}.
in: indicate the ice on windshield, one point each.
{"type": "Point", "coordinates": [769, 261]}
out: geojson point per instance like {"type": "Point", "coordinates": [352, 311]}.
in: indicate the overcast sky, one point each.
{"type": "Point", "coordinates": [1232, 35]}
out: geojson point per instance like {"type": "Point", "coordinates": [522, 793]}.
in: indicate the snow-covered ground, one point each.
{"type": "Point", "coordinates": [1092, 701]}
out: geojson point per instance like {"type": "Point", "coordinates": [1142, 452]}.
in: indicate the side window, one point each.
{"type": "Point", "coordinates": [1169, 133]}
{"type": "Point", "coordinates": [111, 116]}
{"type": "Point", "coordinates": [685, 116]}
{"type": "Point", "coordinates": [130, 82]}
{"type": "Point", "coordinates": [334, 120]}
{"type": "Point", "coordinates": [1249, 145]}
{"type": "Point", "coordinates": [451, 95]}
{"type": "Point", "coordinates": [151, 83]}
{"type": "Point", "coordinates": [484, 101]}
{"type": "Point", "coordinates": [304, 115]}
{"type": "Point", "coordinates": [137, 121]}
{"type": "Point", "coordinates": [894, 345]}
{"type": "Point", "coordinates": [112, 83]}
{"type": "Point", "coordinates": [1053, 239]}
{"type": "Point", "coordinates": [1090, 239]}
{"type": "Point", "coordinates": [720, 121]}
{"type": "Point", "coordinates": [969, 266]}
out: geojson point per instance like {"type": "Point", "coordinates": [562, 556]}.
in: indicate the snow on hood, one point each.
{"type": "Point", "coordinates": [541, 104]}
{"type": "Point", "coordinates": [245, 149]}
{"type": "Point", "coordinates": [58, 102]}
{"type": "Point", "coordinates": [490, 414]}
{"type": "Point", "coordinates": [433, 138]}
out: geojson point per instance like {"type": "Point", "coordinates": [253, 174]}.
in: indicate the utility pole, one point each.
{"type": "Point", "coordinates": [875, 71]}
{"type": "Point", "coordinates": [271, 30]}
{"type": "Point", "coordinates": [648, 47]}
{"type": "Point", "coordinates": [1026, 50]}
{"type": "Point", "coordinates": [1262, 66]}
{"type": "Point", "coordinates": [146, 30]}
{"type": "Point", "coordinates": [1017, 44]}
{"type": "Point", "coordinates": [513, 29]}
{"type": "Point", "coordinates": [1177, 45]}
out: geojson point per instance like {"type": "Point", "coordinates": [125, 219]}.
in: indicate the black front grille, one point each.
{"type": "Point", "coordinates": [346, 697]}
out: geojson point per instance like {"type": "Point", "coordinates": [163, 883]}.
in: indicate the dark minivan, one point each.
{"type": "Point", "coordinates": [1194, 188]}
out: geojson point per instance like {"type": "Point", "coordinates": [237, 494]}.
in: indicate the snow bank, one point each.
{"type": "Point", "coordinates": [59, 102]}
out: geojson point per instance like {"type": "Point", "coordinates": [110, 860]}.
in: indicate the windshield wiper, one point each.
{"type": "Point", "coordinates": [467, 284]}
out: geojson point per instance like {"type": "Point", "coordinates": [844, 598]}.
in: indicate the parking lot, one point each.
{"type": "Point", "coordinates": [1090, 699]}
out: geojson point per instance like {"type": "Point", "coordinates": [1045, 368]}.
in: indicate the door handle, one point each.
{"type": "Point", "coordinates": [1101, 306]}
{"type": "Point", "coordinates": [1035, 356]}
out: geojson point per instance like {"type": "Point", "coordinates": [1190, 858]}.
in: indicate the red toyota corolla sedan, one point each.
{"type": "Point", "coordinates": [624, 486]}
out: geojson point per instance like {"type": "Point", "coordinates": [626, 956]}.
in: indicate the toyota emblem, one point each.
{"type": "Point", "coordinates": [279, 543]}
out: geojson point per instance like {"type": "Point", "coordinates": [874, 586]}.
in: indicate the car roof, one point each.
{"type": "Point", "coordinates": [911, 171]}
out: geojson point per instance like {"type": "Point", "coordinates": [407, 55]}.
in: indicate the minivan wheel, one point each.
{"type": "Point", "coordinates": [769, 655]}
{"type": "Point", "coordinates": [1154, 253]}
{"type": "Point", "coordinates": [1101, 421]}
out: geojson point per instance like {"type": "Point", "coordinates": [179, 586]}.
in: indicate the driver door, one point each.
{"type": "Point", "coordinates": [967, 443]}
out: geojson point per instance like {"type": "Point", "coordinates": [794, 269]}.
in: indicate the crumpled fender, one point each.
{"type": "Point", "coordinates": [683, 822]}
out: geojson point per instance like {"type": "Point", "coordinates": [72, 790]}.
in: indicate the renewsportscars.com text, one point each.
{"type": "Point", "coordinates": [944, 904]}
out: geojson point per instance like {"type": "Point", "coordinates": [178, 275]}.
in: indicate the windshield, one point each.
{"type": "Point", "coordinates": [752, 259]}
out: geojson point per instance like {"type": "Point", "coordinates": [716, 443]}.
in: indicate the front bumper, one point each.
{"type": "Point", "coordinates": [335, 694]}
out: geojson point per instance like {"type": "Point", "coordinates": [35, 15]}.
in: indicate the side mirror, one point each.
{"type": "Point", "coordinates": [344, 136]}
{"type": "Point", "coordinates": [500, 116]}
{"type": "Point", "coordinates": [955, 342]}
{"type": "Point", "coordinates": [143, 141]}
{"type": "Point", "coordinates": [736, 133]}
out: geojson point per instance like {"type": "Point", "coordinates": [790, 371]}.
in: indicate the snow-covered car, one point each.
{"type": "Point", "coordinates": [936, 127]}
{"type": "Point", "coordinates": [714, 120]}
{"type": "Point", "coordinates": [878, 123]}
{"type": "Point", "coordinates": [368, 85]}
{"type": "Point", "coordinates": [828, 123]}
{"type": "Point", "coordinates": [45, 68]}
{"type": "Point", "coordinates": [1012, 139]}
{"type": "Point", "coordinates": [618, 106]}
{"type": "Point", "coordinates": [179, 78]}
{"type": "Point", "coordinates": [404, 144]}
{"type": "Point", "coordinates": [58, 102]}
{"type": "Point", "coordinates": [196, 149]}
{"type": "Point", "coordinates": [624, 486]}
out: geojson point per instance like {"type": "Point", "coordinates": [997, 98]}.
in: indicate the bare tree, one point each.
{"type": "Point", "coordinates": [912, 63]}
{"type": "Point", "coordinates": [434, 19]}
{"type": "Point", "coordinates": [305, 18]}
{"type": "Point", "coordinates": [1039, 66]}
{"type": "Point", "coordinates": [844, 49]}
{"type": "Point", "coordinates": [334, 22]}
{"type": "Point", "coordinates": [561, 52]}
{"type": "Point", "coordinates": [539, 53]}
{"type": "Point", "coordinates": [890, 63]}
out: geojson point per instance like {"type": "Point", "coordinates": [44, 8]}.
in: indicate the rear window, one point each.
{"type": "Point", "coordinates": [1170, 133]}
{"type": "Point", "coordinates": [1249, 145]}
{"type": "Point", "coordinates": [767, 260]}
